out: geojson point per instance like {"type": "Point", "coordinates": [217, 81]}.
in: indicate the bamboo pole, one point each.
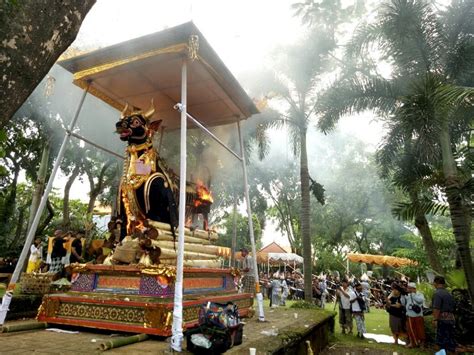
{"type": "Point", "coordinates": [20, 326]}
{"type": "Point", "coordinates": [206, 249]}
{"type": "Point", "coordinates": [118, 342]}
{"type": "Point", "coordinates": [188, 255]}
{"type": "Point", "coordinates": [168, 237]}
{"type": "Point", "coordinates": [214, 263]}
{"type": "Point", "coordinates": [195, 234]}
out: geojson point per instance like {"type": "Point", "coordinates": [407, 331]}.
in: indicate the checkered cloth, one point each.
{"type": "Point", "coordinates": [248, 283]}
{"type": "Point", "coordinates": [56, 265]}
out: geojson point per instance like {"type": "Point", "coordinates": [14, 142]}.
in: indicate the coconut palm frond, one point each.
{"type": "Point", "coordinates": [263, 142]}
{"type": "Point", "coordinates": [388, 152]}
{"type": "Point", "coordinates": [305, 10]}
{"type": "Point", "coordinates": [452, 96]}
{"type": "Point", "coordinates": [353, 96]}
{"type": "Point", "coordinates": [458, 22]}
{"type": "Point", "coordinates": [412, 34]}
{"type": "Point", "coordinates": [365, 36]}
{"type": "Point", "coordinates": [318, 191]}
{"type": "Point", "coordinates": [458, 61]}
{"type": "Point", "coordinates": [407, 211]}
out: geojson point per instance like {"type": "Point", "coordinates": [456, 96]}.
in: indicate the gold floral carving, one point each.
{"type": "Point", "coordinates": [49, 307]}
{"type": "Point", "coordinates": [102, 312]}
{"type": "Point", "coordinates": [157, 318]}
{"type": "Point", "coordinates": [161, 270]}
{"type": "Point", "coordinates": [132, 179]}
{"type": "Point", "coordinates": [191, 313]}
{"type": "Point", "coordinates": [235, 272]}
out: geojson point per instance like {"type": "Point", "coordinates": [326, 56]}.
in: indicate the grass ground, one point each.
{"type": "Point", "coordinates": [375, 322]}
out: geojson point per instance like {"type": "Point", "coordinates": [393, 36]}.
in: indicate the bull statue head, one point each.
{"type": "Point", "coordinates": [135, 127]}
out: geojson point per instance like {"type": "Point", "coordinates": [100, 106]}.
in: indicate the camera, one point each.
{"type": "Point", "coordinates": [415, 308]}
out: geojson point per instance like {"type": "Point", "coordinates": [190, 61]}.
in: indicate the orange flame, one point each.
{"type": "Point", "coordinates": [203, 194]}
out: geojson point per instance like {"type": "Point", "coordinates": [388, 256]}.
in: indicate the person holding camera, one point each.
{"type": "Point", "coordinates": [415, 325]}
{"type": "Point", "coordinates": [358, 309]}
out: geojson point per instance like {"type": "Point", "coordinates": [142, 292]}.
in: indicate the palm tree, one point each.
{"type": "Point", "coordinates": [427, 93]}
{"type": "Point", "coordinates": [293, 84]}
{"type": "Point", "coordinates": [415, 178]}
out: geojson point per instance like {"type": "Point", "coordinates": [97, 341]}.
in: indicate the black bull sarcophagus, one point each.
{"type": "Point", "coordinates": [148, 189]}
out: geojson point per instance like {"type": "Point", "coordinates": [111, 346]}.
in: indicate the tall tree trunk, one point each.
{"type": "Point", "coordinates": [19, 229]}
{"type": "Point", "coordinates": [96, 189]}
{"type": "Point", "coordinates": [459, 208]}
{"type": "Point", "coordinates": [67, 188]}
{"type": "Point", "coordinates": [305, 226]}
{"type": "Point", "coordinates": [9, 204]}
{"type": "Point", "coordinates": [34, 34]}
{"type": "Point", "coordinates": [48, 218]}
{"type": "Point", "coordinates": [424, 228]}
{"type": "Point", "coordinates": [40, 184]}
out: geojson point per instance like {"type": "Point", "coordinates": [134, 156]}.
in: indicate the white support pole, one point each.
{"type": "Point", "coordinates": [177, 328]}
{"type": "Point", "coordinates": [261, 315]}
{"type": "Point", "coordinates": [32, 231]}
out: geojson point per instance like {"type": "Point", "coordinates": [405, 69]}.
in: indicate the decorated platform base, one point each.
{"type": "Point", "coordinates": [138, 300]}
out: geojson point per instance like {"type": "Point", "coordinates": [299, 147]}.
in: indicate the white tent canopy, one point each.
{"type": "Point", "coordinates": [285, 257]}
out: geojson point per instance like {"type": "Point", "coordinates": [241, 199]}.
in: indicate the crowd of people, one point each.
{"type": "Point", "coordinates": [404, 304]}
{"type": "Point", "coordinates": [67, 247]}
{"type": "Point", "coordinates": [58, 254]}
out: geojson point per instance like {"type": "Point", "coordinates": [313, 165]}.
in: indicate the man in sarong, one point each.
{"type": "Point", "coordinates": [443, 316]}
{"type": "Point", "coordinates": [358, 309]}
{"type": "Point", "coordinates": [345, 295]}
{"type": "Point", "coordinates": [413, 303]}
{"type": "Point", "coordinates": [276, 290]}
{"type": "Point", "coordinates": [248, 268]}
{"type": "Point", "coordinates": [58, 253]}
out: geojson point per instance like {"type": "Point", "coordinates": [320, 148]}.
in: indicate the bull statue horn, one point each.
{"type": "Point", "coordinates": [124, 112]}
{"type": "Point", "coordinates": [151, 110]}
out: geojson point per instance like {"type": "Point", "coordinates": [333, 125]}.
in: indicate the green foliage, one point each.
{"type": "Point", "coordinates": [456, 279]}
{"type": "Point", "coordinates": [328, 260]}
{"type": "Point", "coordinates": [356, 214]}
{"type": "Point", "coordinates": [427, 100]}
{"type": "Point", "coordinates": [277, 181]}
{"type": "Point", "coordinates": [444, 243]}
{"type": "Point", "coordinates": [318, 191]}
{"type": "Point", "coordinates": [243, 239]}
{"type": "Point", "coordinates": [77, 214]}
{"type": "Point", "coordinates": [427, 290]}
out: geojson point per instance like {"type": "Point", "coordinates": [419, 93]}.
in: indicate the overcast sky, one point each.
{"type": "Point", "coordinates": [241, 32]}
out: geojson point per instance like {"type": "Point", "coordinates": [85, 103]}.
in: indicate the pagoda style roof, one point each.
{"type": "Point", "coordinates": [149, 67]}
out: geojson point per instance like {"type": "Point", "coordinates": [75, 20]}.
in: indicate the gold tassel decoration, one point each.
{"type": "Point", "coordinates": [193, 47]}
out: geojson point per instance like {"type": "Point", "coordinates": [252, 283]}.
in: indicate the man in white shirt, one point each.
{"type": "Point", "coordinates": [36, 252]}
{"type": "Point", "coordinates": [345, 295]}
{"type": "Point", "coordinates": [413, 303]}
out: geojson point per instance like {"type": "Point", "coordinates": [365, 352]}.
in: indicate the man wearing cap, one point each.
{"type": "Point", "coordinates": [248, 268]}
{"type": "Point", "coordinates": [415, 325]}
